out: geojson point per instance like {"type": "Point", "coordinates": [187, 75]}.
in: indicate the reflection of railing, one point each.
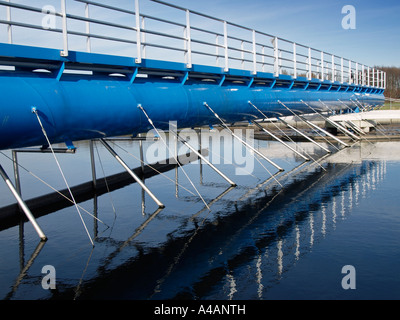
{"type": "Point", "coordinates": [312, 215]}
{"type": "Point", "coordinates": [229, 45]}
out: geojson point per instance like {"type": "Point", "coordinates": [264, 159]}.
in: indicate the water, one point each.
{"type": "Point", "coordinates": [257, 241]}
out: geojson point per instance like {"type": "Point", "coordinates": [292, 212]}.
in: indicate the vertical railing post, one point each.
{"type": "Point", "coordinates": [333, 69]}
{"type": "Point", "coordinates": [322, 66]}
{"type": "Point", "coordinates": [64, 53]}
{"type": "Point", "coordinates": [217, 50]}
{"type": "Point", "coordinates": [357, 75]}
{"type": "Point", "coordinates": [378, 78]}
{"type": "Point", "coordinates": [226, 46]}
{"type": "Point", "coordinates": [373, 77]}
{"type": "Point", "coordinates": [138, 33]}
{"type": "Point", "coordinates": [363, 75]}
{"type": "Point", "coordinates": [384, 80]}
{"type": "Point", "coordinates": [342, 70]}
{"type": "Point", "coordinates": [242, 53]}
{"type": "Point", "coordinates": [309, 64]}
{"type": "Point", "coordinates": [254, 53]}
{"type": "Point", "coordinates": [276, 56]}
{"type": "Point", "coordinates": [294, 61]}
{"type": "Point", "coordinates": [9, 27]}
{"type": "Point", "coordinates": [143, 39]}
{"type": "Point", "coordinates": [87, 15]}
{"type": "Point", "coordinates": [350, 73]}
{"type": "Point", "coordinates": [188, 52]}
{"type": "Point", "coordinates": [263, 58]}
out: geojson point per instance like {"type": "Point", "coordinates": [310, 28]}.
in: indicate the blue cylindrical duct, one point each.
{"type": "Point", "coordinates": [86, 107]}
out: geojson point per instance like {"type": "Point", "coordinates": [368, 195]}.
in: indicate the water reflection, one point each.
{"type": "Point", "coordinates": [264, 237]}
{"type": "Point", "coordinates": [239, 250]}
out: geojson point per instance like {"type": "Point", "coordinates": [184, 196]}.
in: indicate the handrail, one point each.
{"type": "Point", "coordinates": [257, 52]}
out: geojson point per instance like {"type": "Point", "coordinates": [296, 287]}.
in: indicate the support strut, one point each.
{"type": "Point", "coordinates": [239, 139]}
{"type": "Point", "coordinates": [134, 176]}
{"type": "Point", "coordinates": [233, 184]}
{"type": "Point", "coordinates": [22, 204]}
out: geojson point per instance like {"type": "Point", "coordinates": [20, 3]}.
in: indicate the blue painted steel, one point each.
{"type": "Point", "coordinates": [79, 107]}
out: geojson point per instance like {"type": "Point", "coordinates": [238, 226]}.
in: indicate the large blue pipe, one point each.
{"type": "Point", "coordinates": [81, 108]}
{"type": "Point", "coordinates": [76, 107]}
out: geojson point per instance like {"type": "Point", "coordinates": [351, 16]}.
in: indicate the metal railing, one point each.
{"type": "Point", "coordinates": [181, 38]}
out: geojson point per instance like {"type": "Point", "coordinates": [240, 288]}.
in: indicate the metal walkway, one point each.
{"type": "Point", "coordinates": [222, 44]}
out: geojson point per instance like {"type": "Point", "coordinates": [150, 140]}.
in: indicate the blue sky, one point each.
{"type": "Point", "coordinates": [314, 23]}
{"type": "Point", "coordinates": [317, 23]}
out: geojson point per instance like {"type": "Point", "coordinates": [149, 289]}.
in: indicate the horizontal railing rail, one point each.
{"type": "Point", "coordinates": [183, 38]}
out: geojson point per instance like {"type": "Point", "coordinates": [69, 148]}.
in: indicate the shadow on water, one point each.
{"type": "Point", "coordinates": [201, 260]}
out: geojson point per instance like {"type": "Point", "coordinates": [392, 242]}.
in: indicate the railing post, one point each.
{"type": "Point", "coordinates": [226, 46]}
{"type": "Point", "coordinates": [254, 53]}
{"type": "Point", "coordinates": [217, 50]}
{"type": "Point", "coordinates": [342, 70]}
{"type": "Point", "coordinates": [333, 69]}
{"type": "Point", "coordinates": [188, 52]}
{"type": "Point", "coordinates": [383, 80]}
{"type": "Point", "coordinates": [263, 58]}
{"type": "Point", "coordinates": [242, 53]}
{"type": "Point", "coordinates": [378, 78]}
{"type": "Point", "coordinates": [276, 56]}
{"type": "Point", "coordinates": [294, 61]}
{"type": "Point", "coordinates": [309, 64]}
{"type": "Point", "coordinates": [357, 75]}
{"type": "Point", "coordinates": [87, 14]}
{"type": "Point", "coordinates": [9, 27]}
{"type": "Point", "coordinates": [143, 26]}
{"type": "Point", "coordinates": [64, 53]}
{"type": "Point", "coordinates": [363, 75]}
{"type": "Point", "coordinates": [138, 33]}
{"type": "Point", "coordinates": [373, 77]}
{"type": "Point", "coordinates": [350, 73]}
{"type": "Point", "coordinates": [322, 66]}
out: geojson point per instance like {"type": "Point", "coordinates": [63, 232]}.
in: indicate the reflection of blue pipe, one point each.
{"type": "Point", "coordinates": [80, 107]}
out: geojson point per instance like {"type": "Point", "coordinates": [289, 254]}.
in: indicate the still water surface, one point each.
{"type": "Point", "coordinates": [286, 237]}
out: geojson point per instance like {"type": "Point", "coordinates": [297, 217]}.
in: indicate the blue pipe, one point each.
{"type": "Point", "coordinates": [80, 107]}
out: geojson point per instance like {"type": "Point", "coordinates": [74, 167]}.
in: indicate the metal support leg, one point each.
{"type": "Point", "coordinates": [304, 135]}
{"type": "Point", "coordinates": [134, 176]}
{"type": "Point", "coordinates": [242, 141]}
{"type": "Point", "coordinates": [355, 127]}
{"type": "Point", "coordinates": [16, 172]}
{"type": "Point", "coordinates": [333, 123]}
{"type": "Point", "coordinates": [205, 160]}
{"type": "Point", "coordinates": [280, 140]}
{"type": "Point", "coordinates": [324, 131]}
{"type": "Point", "coordinates": [93, 164]}
{"type": "Point", "coordinates": [22, 204]}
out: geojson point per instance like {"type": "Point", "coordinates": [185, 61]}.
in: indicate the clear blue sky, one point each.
{"type": "Point", "coordinates": [318, 23]}
{"type": "Point", "coordinates": [314, 23]}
